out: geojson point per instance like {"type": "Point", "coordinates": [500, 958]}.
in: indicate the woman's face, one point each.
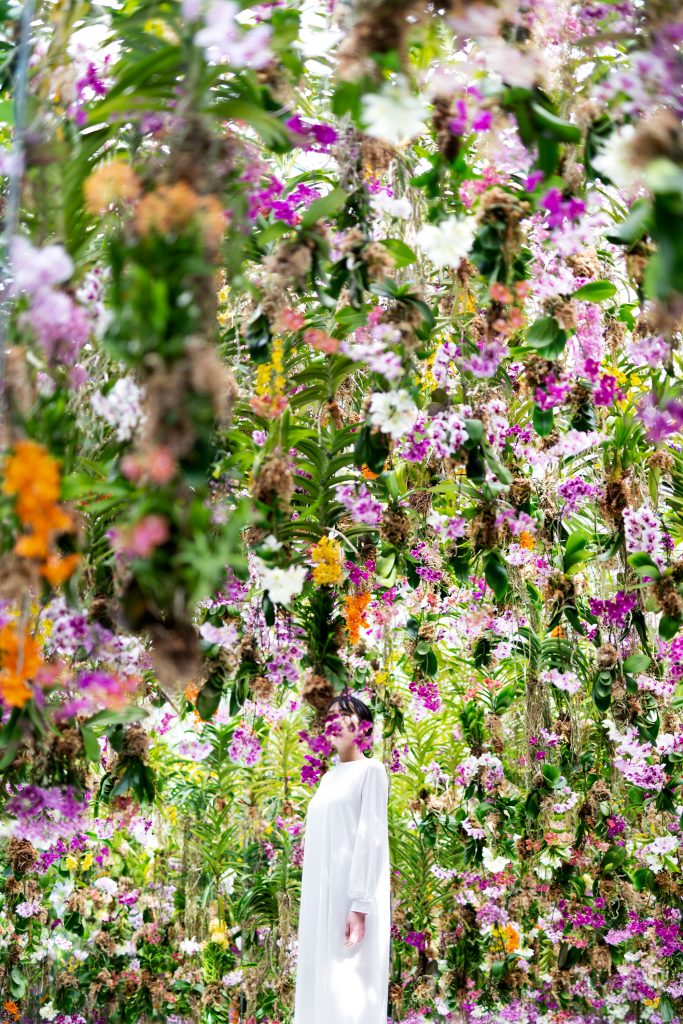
{"type": "Point", "coordinates": [341, 728]}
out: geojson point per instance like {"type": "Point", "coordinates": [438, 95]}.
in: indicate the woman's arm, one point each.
{"type": "Point", "coordinates": [371, 840]}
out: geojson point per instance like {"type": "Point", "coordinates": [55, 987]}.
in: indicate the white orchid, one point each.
{"type": "Point", "coordinates": [394, 115]}
{"type": "Point", "coordinates": [615, 158]}
{"type": "Point", "coordinates": [449, 242]}
{"type": "Point", "coordinates": [282, 584]}
{"type": "Point", "coordinates": [394, 412]}
{"type": "Point", "coordinates": [492, 863]}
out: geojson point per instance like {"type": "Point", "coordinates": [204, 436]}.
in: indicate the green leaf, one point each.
{"type": "Point", "coordinates": [271, 130]}
{"type": "Point", "coordinates": [18, 983]}
{"type": "Point", "coordinates": [643, 878]}
{"type": "Point", "coordinates": [371, 449]}
{"type": "Point", "coordinates": [542, 332]}
{"type": "Point", "coordinates": [613, 858]}
{"type": "Point", "coordinates": [325, 207]}
{"type": "Point", "coordinates": [532, 806]}
{"type": "Point", "coordinates": [401, 253]}
{"type": "Point", "coordinates": [475, 432]}
{"type": "Point", "coordinates": [504, 698]}
{"type": "Point", "coordinates": [635, 225]}
{"type": "Point", "coordinates": [496, 575]}
{"type": "Point", "coordinates": [502, 473]}
{"type": "Point", "coordinates": [208, 699]}
{"type": "Point", "coordinates": [568, 956]}
{"type": "Point", "coordinates": [152, 75]}
{"type": "Point", "coordinates": [643, 564]}
{"type": "Point", "coordinates": [637, 663]}
{"type": "Point", "coordinates": [668, 627]}
{"type": "Point", "coordinates": [268, 610]}
{"type": "Point", "coordinates": [90, 744]}
{"type": "Point", "coordinates": [386, 564]}
{"type": "Point", "coordinates": [664, 176]}
{"type": "Point", "coordinates": [575, 550]}
{"type": "Point", "coordinates": [554, 126]}
{"type": "Point", "coordinates": [116, 717]}
{"type": "Point", "coordinates": [543, 420]}
{"type": "Point", "coordinates": [346, 99]}
{"type": "Point", "coordinates": [595, 291]}
{"type": "Point", "coordinates": [602, 694]}
{"type": "Point", "coordinates": [666, 1009]}
{"type": "Point", "coordinates": [550, 773]}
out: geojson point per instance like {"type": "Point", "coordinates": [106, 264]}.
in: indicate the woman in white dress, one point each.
{"type": "Point", "coordinates": [345, 916]}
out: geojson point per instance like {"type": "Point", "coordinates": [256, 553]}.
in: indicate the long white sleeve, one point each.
{"type": "Point", "coordinates": [372, 839]}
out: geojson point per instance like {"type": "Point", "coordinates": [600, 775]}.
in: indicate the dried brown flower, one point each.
{"type": "Point", "coordinates": [21, 855]}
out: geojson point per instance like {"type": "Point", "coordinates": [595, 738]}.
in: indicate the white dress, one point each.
{"type": "Point", "coordinates": [346, 867]}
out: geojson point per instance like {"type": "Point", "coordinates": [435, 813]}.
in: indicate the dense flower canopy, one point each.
{"type": "Point", "coordinates": [340, 351]}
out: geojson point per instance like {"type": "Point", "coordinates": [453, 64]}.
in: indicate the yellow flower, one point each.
{"type": "Point", "coordinates": [509, 936]}
{"type": "Point", "coordinates": [270, 380]}
{"type": "Point", "coordinates": [326, 556]}
{"type": "Point", "coordinates": [158, 27]}
{"type": "Point", "coordinates": [72, 863]}
{"type": "Point", "coordinates": [87, 861]}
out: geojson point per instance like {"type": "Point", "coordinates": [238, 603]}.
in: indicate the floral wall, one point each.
{"type": "Point", "coordinates": [340, 350]}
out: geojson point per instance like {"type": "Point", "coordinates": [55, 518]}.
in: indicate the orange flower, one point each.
{"type": "Point", "coordinates": [354, 614]}
{"type": "Point", "coordinates": [526, 540]}
{"type": "Point", "coordinates": [509, 936]}
{"type": "Point", "coordinates": [19, 661]}
{"type": "Point", "coordinates": [33, 545]}
{"type": "Point", "coordinates": [171, 208]}
{"type": "Point", "coordinates": [32, 478]}
{"type": "Point", "coordinates": [191, 693]}
{"type": "Point", "coordinates": [12, 1008]}
{"type": "Point", "coordinates": [57, 570]}
{"type": "Point", "coordinates": [111, 182]}
{"type": "Point", "coordinates": [368, 474]}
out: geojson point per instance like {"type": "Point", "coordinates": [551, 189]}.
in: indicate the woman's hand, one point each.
{"type": "Point", "coordinates": [355, 928]}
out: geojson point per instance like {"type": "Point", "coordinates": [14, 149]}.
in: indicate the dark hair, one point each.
{"type": "Point", "coordinates": [352, 705]}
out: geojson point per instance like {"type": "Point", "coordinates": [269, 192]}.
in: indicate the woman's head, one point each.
{"type": "Point", "coordinates": [348, 723]}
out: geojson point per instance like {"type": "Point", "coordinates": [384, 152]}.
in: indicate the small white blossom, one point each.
{"type": "Point", "coordinates": [121, 407]}
{"type": "Point", "coordinates": [394, 115]}
{"type": "Point", "coordinates": [106, 885]}
{"type": "Point", "coordinates": [615, 158]}
{"type": "Point", "coordinates": [449, 242]}
{"type": "Point", "coordinates": [190, 946]}
{"type": "Point", "coordinates": [394, 412]}
{"type": "Point", "coordinates": [492, 863]}
{"type": "Point", "coordinates": [282, 584]}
